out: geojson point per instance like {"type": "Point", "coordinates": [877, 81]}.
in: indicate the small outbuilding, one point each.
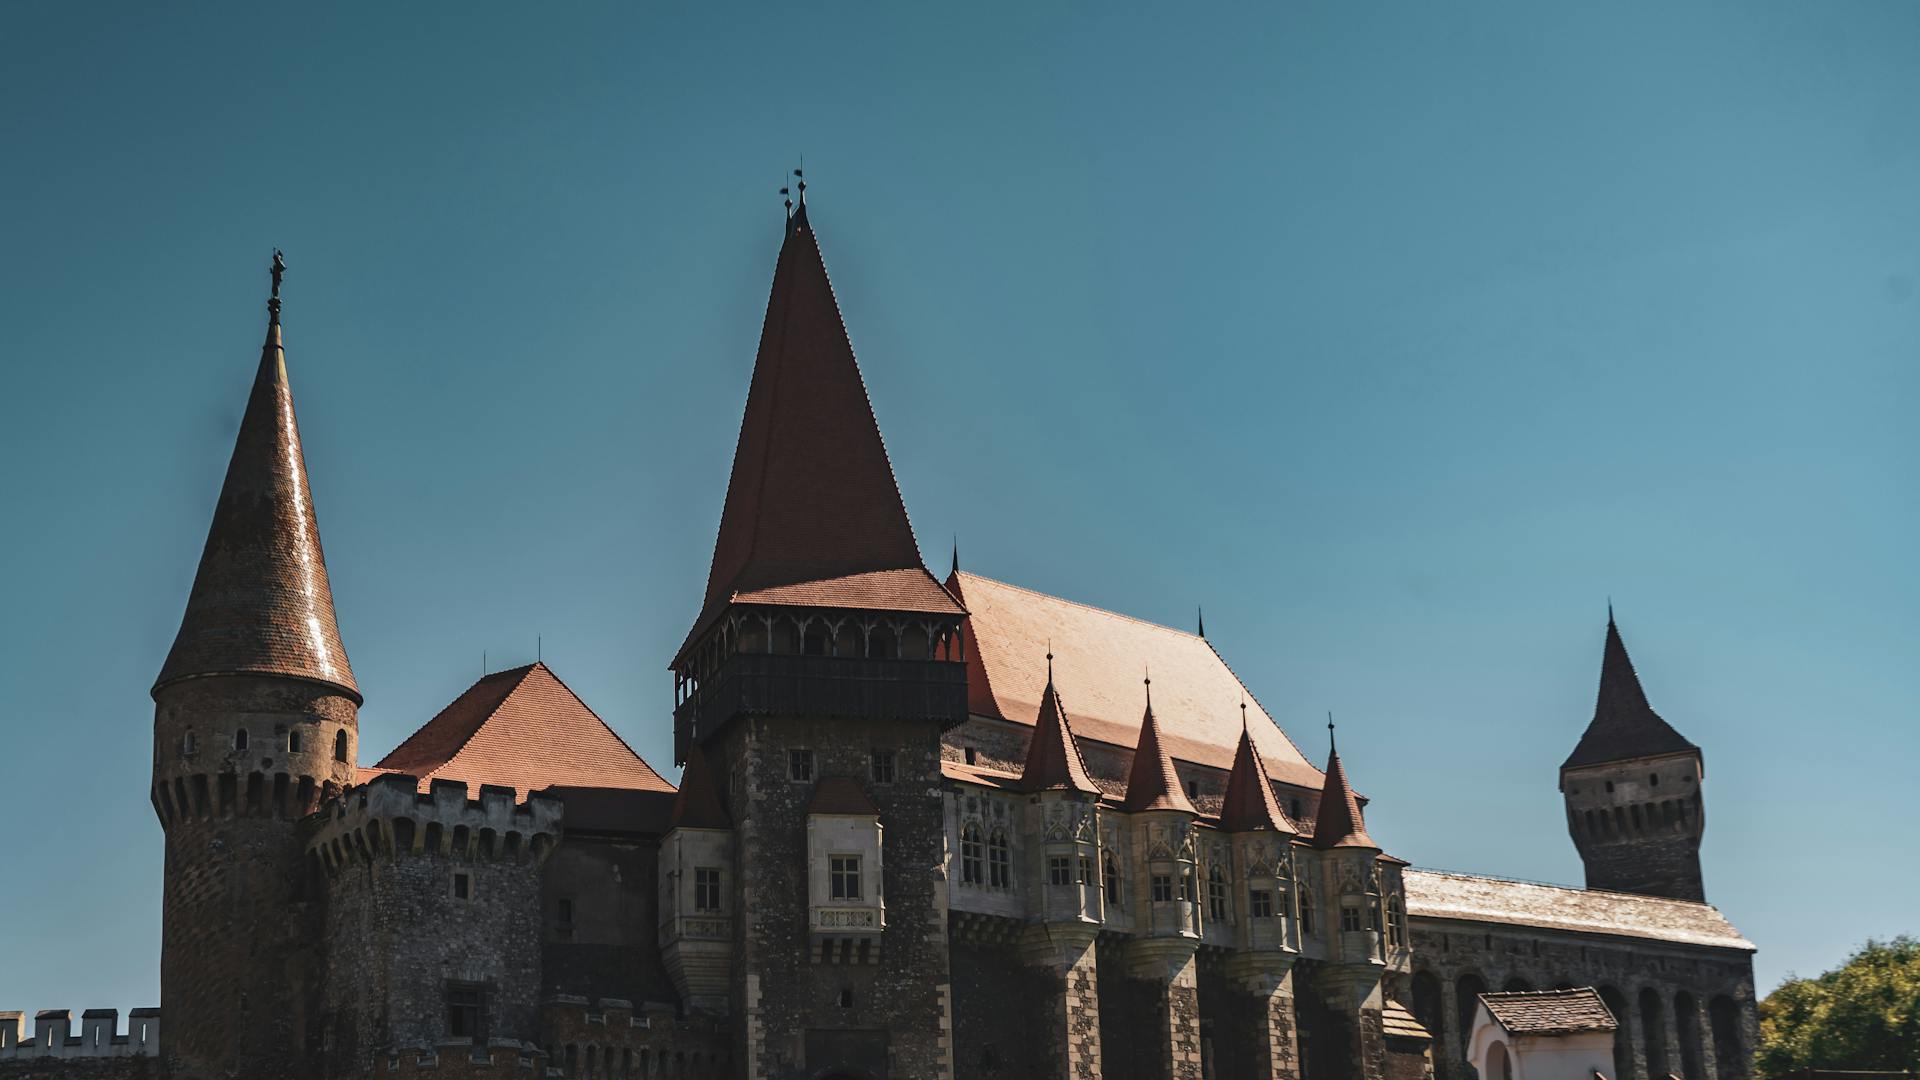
{"type": "Point", "coordinates": [1543, 1035]}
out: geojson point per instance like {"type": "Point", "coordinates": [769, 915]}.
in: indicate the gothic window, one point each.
{"type": "Point", "coordinates": [1217, 894]}
{"type": "Point", "coordinates": [1307, 912]}
{"type": "Point", "coordinates": [800, 765]}
{"type": "Point", "coordinates": [706, 888]}
{"type": "Point", "coordinates": [1086, 870]}
{"type": "Point", "coordinates": [241, 740]}
{"type": "Point", "coordinates": [466, 1012]}
{"type": "Point", "coordinates": [970, 855]}
{"type": "Point", "coordinates": [1059, 870]}
{"type": "Point", "coordinates": [883, 766]}
{"type": "Point", "coordinates": [843, 877]}
{"type": "Point", "coordinates": [1260, 903]}
{"type": "Point", "coordinates": [1396, 923]}
{"type": "Point", "coordinates": [293, 742]}
{"type": "Point", "coordinates": [339, 746]}
{"type": "Point", "coordinates": [1112, 869]}
{"type": "Point", "coordinates": [1161, 887]}
{"type": "Point", "coordinates": [1350, 917]}
{"type": "Point", "coordinates": [999, 862]}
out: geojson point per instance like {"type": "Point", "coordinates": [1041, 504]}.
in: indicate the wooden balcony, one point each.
{"type": "Point", "coordinates": [771, 684]}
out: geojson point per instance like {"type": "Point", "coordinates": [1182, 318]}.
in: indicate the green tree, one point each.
{"type": "Point", "coordinates": [1864, 1014]}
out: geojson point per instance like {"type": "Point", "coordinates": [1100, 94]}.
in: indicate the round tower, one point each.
{"type": "Point", "coordinates": [1632, 790]}
{"type": "Point", "coordinates": [255, 722]}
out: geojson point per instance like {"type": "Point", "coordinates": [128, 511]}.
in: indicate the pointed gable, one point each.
{"type": "Point", "coordinates": [1152, 784]}
{"type": "Point", "coordinates": [1053, 758]}
{"type": "Point", "coordinates": [261, 603]}
{"type": "Point", "coordinates": [813, 515]}
{"type": "Point", "coordinates": [523, 729]}
{"type": "Point", "coordinates": [1339, 824]}
{"type": "Point", "coordinates": [698, 805]}
{"type": "Point", "coordinates": [1624, 724]}
{"type": "Point", "coordinates": [1249, 804]}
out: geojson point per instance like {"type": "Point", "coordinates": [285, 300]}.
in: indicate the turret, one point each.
{"type": "Point", "coordinates": [255, 721]}
{"type": "Point", "coordinates": [698, 889]}
{"type": "Point", "coordinates": [1263, 841]}
{"type": "Point", "coordinates": [1632, 790]}
{"type": "Point", "coordinates": [1063, 802]}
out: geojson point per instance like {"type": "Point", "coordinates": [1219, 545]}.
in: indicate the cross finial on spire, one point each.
{"type": "Point", "coordinates": [278, 270]}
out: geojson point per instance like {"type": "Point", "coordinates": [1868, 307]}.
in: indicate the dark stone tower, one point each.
{"type": "Point", "coordinates": [254, 723]}
{"type": "Point", "coordinates": [817, 680]}
{"type": "Point", "coordinates": [1632, 788]}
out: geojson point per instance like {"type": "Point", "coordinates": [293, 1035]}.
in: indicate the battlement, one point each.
{"type": "Point", "coordinates": [497, 1058]}
{"type": "Point", "coordinates": [98, 1035]}
{"type": "Point", "coordinates": [613, 1037]}
{"type": "Point", "coordinates": [389, 816]}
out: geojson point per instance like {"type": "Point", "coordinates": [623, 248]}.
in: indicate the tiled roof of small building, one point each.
{"type": "Point", "coordinates": [840, 795]}
{"type": "Point", "coordinates": [813, 514]}
{"type": "Point", "coordinates": [525, 729]}
{"type": "Point", "coordinates": [261, 603]}
{"type": "Point", "coordinates": [1624, 725]}
{"type": "Point", "coordinates": [1437, 895]}
{"type": "Point", "coordinates": [1550, 1012]}
{"type": "Point", "coordinates": [1099, 655]}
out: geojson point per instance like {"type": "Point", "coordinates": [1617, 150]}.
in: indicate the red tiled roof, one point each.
{"type": "Point", "coordinates": [812, 499]}
{"type": "Point", "coordinates": [1340, 824]}
{"type": "Point", "coordinates": [1100, 655]}
{"type": "Point", "coordinates": [1249, 804]}
{"type": "Point", "coordinates": [840, 795]}
{"type": "Point", "coordinates": [1550, 1012]}
{"type": "Point", "coordinates": [261, 602]}
{"type": "Point", "coordinates": [1624, 724]}
{"type": "Point", "coordinates": [1152, 784]}
{"type": "Point", "coordinates": [526, 730]}
{"type": "Point", "coordinates": [1053, 758]}
{"type": "Point", "coordinates": [698, 804]}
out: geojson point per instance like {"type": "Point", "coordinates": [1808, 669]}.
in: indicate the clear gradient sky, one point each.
{"type": "Point", "coordinates": [1400, 336]}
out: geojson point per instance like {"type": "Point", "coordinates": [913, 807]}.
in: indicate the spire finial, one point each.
{"type": "Point", "coordinates": [278, 270]}
{"type": "Point", "coordinates": [956, 556]}
{"type": "Point", "coordinates": [1609, 611]}
{"type": "Point", "coordinates": [800, 180]}
{"type": "Point", "coordinates": [1146, 677]}
{"type": "Point", "coordinates": [1049, 661]}
{"type": "Point", "coordinates": [1201, 612]}
{"type": "Point", "coordinates": [1332, 747]}
{"type": "Point", "coordinates": [1243, 714]}
{"type": "Point", "coordinates": [786, 198]}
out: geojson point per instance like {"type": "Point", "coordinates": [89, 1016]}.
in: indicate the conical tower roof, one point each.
{"type": "Point", "coordinates": [813, 515]}
{"type": "Point", "coordinates": [1249, 804]}
{"type": "Point", "coordinates": [1624, 724]}
{"type": "Point", "coordinates": [261, 603]}
{"type": "Point", "coordinates": [1153, 784]}
{"type": "Point", "coordinates": [697, 805]}
{"type": "Point", "coordinates": [1053, 757]}
{"type": "Point", "coordinates": [1340, 824]}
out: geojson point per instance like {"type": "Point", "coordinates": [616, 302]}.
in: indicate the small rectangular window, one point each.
{"type": "Point", "coordinates": [1162, 887]}
{"type": "Point", "coordinates": [1350, 918]}
{"type": "Point", "coordinates": [1059, 870]}
{"type": "Point", "coordinates": [843, 877]}
{"type": "Point", "coordinates": [1260, 901]}
{"type": "Point", "coordinates": [706, 888]}
{"type": "Point", "coordinates": [462, 885]}
{"type": "Point", "coordinates": [800, 765]}
{"type": "Point", "coordinates": [883, 766]}
{"type": "Point", "coordinates": [466, 1012]}
{"type": "Point", "coordinates": [972, 756]}
{"type": "Point", "coordinates": [563, 915]}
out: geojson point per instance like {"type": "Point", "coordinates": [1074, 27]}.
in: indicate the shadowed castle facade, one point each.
{"type": "Point", "coordinates": [927, 828]}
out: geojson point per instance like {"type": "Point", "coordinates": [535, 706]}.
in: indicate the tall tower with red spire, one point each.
{"type": "Point", "coordinates": [816, 681]}
{"type": "Point", "coordinates": [255, 721]}
{"type": "Point", "coordinates": [1632, 789]}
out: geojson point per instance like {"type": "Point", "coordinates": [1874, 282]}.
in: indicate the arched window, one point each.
{"type": "Point", "coordinates": [1217, 893]}
{"type": "Point", "coordinates": [339, 746]}
{"type": "Point", "coordinates": [999, 860]}
{"type": "Point", "coordinates": [241, 739]}
{"type": "Point", "coordinates": [187, 745]}
{"type": "Point", "coordinates": [1111, 878]}
{"type": "Point", "coordinates": [970, 864]}
{"type": "Point", "coordinates": [293, 742]}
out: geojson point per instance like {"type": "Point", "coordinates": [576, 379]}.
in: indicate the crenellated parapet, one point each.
{"type": "Point", "coordinates": [467, 1060]}
{"type": "Point", "coordinates": [97, 1035]}
{"type": "Point", "coordinates": [389, 816]}
{"type": "Point", "coordinates": [613, 1037]}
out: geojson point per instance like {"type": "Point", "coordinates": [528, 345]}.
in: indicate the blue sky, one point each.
{"type": "Point", "coordinates": [1400, 336]}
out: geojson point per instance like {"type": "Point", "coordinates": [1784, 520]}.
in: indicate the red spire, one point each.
{"type": "Point", "coordinates": [1624, 724]}
{"type": "Point", "coordinates": [698, 804]}
{"type": "Point", "coordinates": [1053, 757]}
{"type": "Point", "coordinates": [1152, 784]}
{"type": "Point", "coordinates": [1339, 824]}
{"type": "Point", "coordinates": [1249, 803]}
{"type": "Point", "coordinates": [261, 603]}
{"type": "Point", "coordinates": [812, 500]}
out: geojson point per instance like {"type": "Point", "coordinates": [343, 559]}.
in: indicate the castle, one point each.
{"type": "Point", "coordinates": [928, 829]}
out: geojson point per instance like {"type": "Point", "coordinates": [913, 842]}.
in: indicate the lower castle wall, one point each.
{"type": "Point", "coordinates": [995, 998]}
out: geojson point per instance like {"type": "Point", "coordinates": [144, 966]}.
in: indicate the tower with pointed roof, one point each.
{"type": "Point", "coordinates": [820, 672]}
{"type": "Point", "coordinates": [255, 723]}
{"type": "Point", "coordinates": [1632, 790]}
